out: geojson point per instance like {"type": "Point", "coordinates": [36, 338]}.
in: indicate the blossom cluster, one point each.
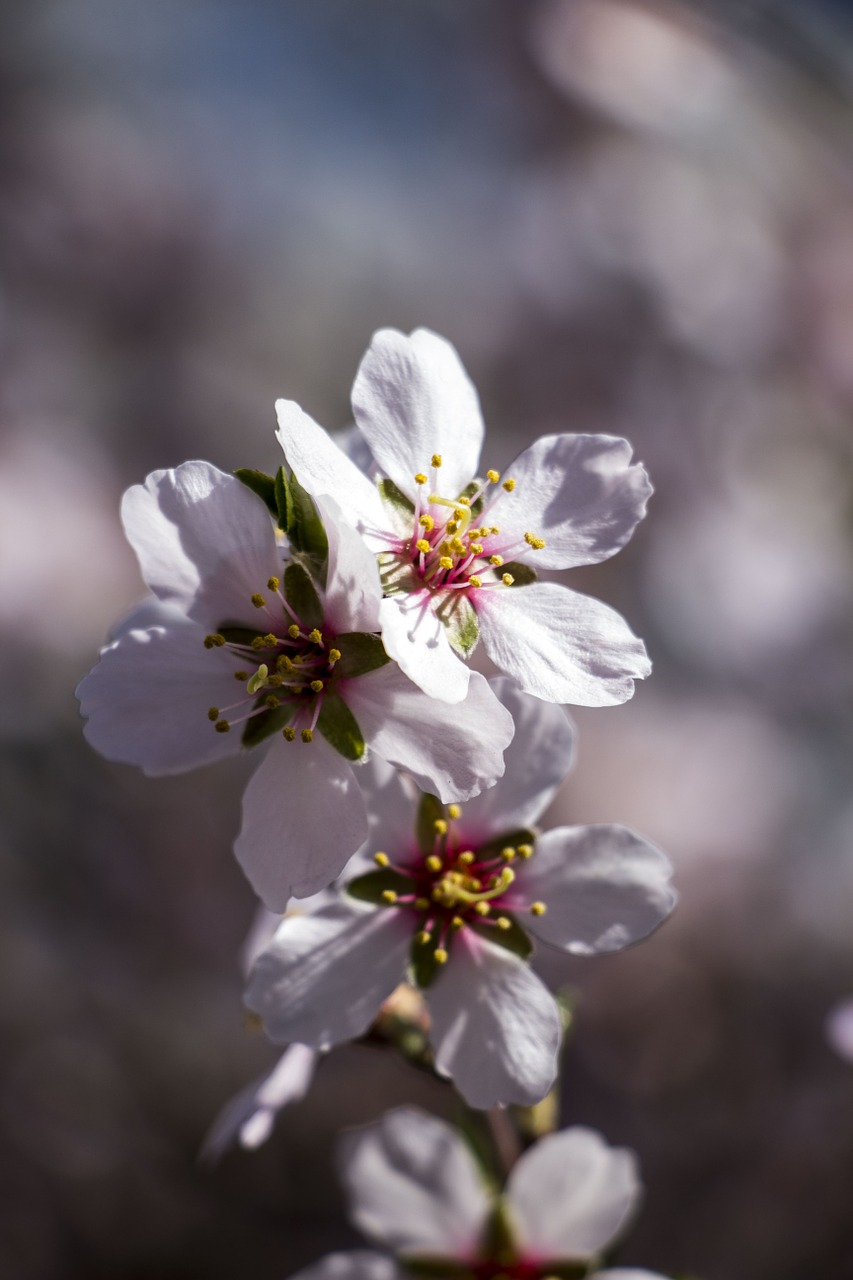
{"type": "Point", "coordinates": [325, 618]}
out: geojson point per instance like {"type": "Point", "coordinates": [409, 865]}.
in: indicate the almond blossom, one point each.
{"type": "Point", "coordinates": [413, 1186]}
{"type": "Point", "coordinates": [453, 898]}
{"type": "Point", "coordinates": [249, 643]}
{"type": "Point", "coordinates": [460, 552]}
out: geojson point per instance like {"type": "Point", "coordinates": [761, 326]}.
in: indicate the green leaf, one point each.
{"type": "Point", "coordinates": [513, 939]}
{"type": "Point", "coordinates": [305, 530]}
{"type": "Point", "coordinates": [340, 728]}
{"type": "Point", "coordinates": [430, 809]}
{"type": "Point", "coordinates": [395, 498]}
{"type": "Point", "coordinates": [301, 595]}
{"type": "Point", "coordinates": [263, 726]}
{"type": "Point", "coordinates": [460, 618]}
{"type": "Point", "coordinates": [508, 840]}
{"type": "Point", "coordinates": [424, 965]}
{"type": "Point", "coordinates": [371, 886]}
{"type": "Point", "coordinates": [522, 575]}
{"type": "Point", "coordinates": [281, 499]}
{"type": "Point", "coordinates": [360, 651]}
{"type": "Point", "coordinates": [261, 484]}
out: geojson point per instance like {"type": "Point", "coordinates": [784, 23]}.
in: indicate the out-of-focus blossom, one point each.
{"type": "Point", "coordinates": [839, 1029]}
{"type": "Point", "coordinates": [459, 554]}
{"type": "Point", "coordinates": [249, 1117]}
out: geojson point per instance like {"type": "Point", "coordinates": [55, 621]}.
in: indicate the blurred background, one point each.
{"type": "Point", "coordinates": [630, 217]}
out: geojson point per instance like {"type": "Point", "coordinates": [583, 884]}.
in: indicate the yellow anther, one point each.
{"type": "Point", "coordinates": [507, 579]}
{"type": "Point", "coordinates": [461, 515]}
{"type": "Point", "coordinates": [241, 676]}
{"type": "Point", "coordinates": [420, 478]}
{"type": "Point", "coordinates": [538, 908]}
{"type": "Point", "coordinates": [440, 827]}
{"type": "Point", "coordinates": [421, 904]}
{"type": "Point", "coordinates": [315, 636]}
{"type": "Point", "coordinates": [440, 955]}
{"type": "Point", "coordinates": [507, 875]}
{"type": "Point", "coordinates": [426, 522]}
{"type": "Point", "coordinates": [258, 600]}
{"type": "Point", "coordinates": [474, 885]}
{"type": "Point", "coordinates": [434, 863]}
{"type": "Point", "coordinates": [457, 923]}
{"type": "Point", "coordinates": [283, 663]}
{"type": "Point", "coordinates": [463, 502]}
{"type": "Point", "coordinates": [525, 850]}
{"type": "Point", "coordinates": [222, 726]}
{"type": "Point", "coordinates": [214, 641]}
{"type": "Point", "coordinates": [493, 529]}
{"type": "Point", "coordinates": [273, 584]}
{"type": "Point", "coordinates": [307, 735]}
{"type": "Point", "coordinates": [532, 541]}
{"type": "Point", "coordinates": [446, 562]}
{"type": "Point", "coordinates": [482, 908]}
{"type": "Point", "coordinates": [317, 686]}
{"type": "Point", "coordinates": [259, 643]}
{"type": "Point", "coordinates": [293, 631]}
{"type": "Point", "coordinates": [423, 937]}
{"type": "Point", "coordinates": [289, 733]}
{"type": "Point", "coordinates": [493, 476]}
{"type": "Point", "coordinates": [475, 580]}
{"type": "Point", "coordinates": [476, 548]}
{"type": "Point", "coordinates": [497, 561]}
{"type": "Point", "coordinates": [452, 526]}
{"type": "Point", "coordinates": [389, 896]}
{"type": "Point", "coordinates": [466, 858]}
{"type": "Point", "coordinates": [509, 485]}
{"type": "Point", "coordinates": [334, 656]}
{"type": "Point", "coordinates": [454, 811]}
{"type": "Point", "coordinates": [457, 545]}
{"type": "Point", "coordinates": [381, 859]}
{"type": "Point", "coordinates": [508, 854]}
{"type": "Point", "coordinates": [271, 640]}
{"type": "Point", "coordinates": [436, 459]}
{"type": "Point", "coordinates": [422, 546]}
{"type": "Point", "coordinates": [503, 922]}
{"type": "Point", "coordinates": [213, 713]}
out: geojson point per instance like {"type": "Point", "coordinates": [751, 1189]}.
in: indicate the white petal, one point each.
{"type": "Point", "coordinates": [604, 887]}
{"type": "Point", "coordinates": [580, 493]}
{"type": "Point", "coordinates": [357, 1264]}
{"type": "Point", "coordinates": [537, 762]}
{"type": "Point", "coordinates": [351, 442]}
{"type": "Point", "coordinates": [412, 1183]}
{"type": "Point", "coordinates": [453, 750]}
{"type": "Point", "coordinates": [561, 646]}
{"type": "Point", "coordinates": [495, 1026]}
{"type": "Point", "coordinates": [353, 589]}
{"type": "Point", "coordinates": [249, 1117]}
{"type": "Point", "coordinates": [626, 1273]}
{"type": "Point", "coordinates": [417, 641]}
{"type": "Point", "coordinates": [839, 1029]}
{"type": "Point", "coordinates": [412, 398]}
{"type": "Point", "coordinates": [392, 802]}
{"type": "Point", "coordinates": [321, 467]}
{"type": "Point", "coordinates": [303, 816]}
{"type": "Point", "coordinates": [323, 977]}
{"type": "Point", "coordinates": [571, 1194]}
{"type": "Point", "coordinates": [146, 701]}
{"type": "Point", "coordinates": [205, 542]}
{"type": "Point", "coordinates": [261, 932]}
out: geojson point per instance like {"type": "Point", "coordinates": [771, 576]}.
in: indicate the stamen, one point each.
{"type": "Point", "coordinates": [508, 854]}
{"type": "Point", "coordinates": [214, 641]}
{"type": "Point", "coordinates": [421, 904]}
{"type": "Point", "coordinates": [482, 908]}
{"type": "Point", "coordinates": [317, 686]}
{"type": "Point", "coordinates": [509, 485]}
{"type": "Point", "coordinates": [273, 584]}
{"type": "Point", "coordinates": [433, 863]}
{"type": "Point", "coordinates": [525, 850]}
{"type": "Point", "coordinates": [532, 541]}
{"type": "Point", "coordinates": [222, 726]}
{"type": "Point", "coordinates": [493, 476]}
{"type": "Point", "coordinates": [538, 908]}
{"type": "Point", "coordinates": [293, 631]}
{"type": "Point", "coordinates": [423, 546]}
{"type": "Point", "coordinates": [426, 522]}
{"type": "Point", "coordinates": [315, 636]}
{"type": "Point", "coordinates": [381, 859]}
{"type": "Point", "coordinates": [423, 937]}
{"type": "Point", "coordinates": [289, 733]}
{"type": "Point", "coordinates": [436, 459]}
{"type": "Point", "coordinates": [503, 922]}
{"type": "Point", "coordinates": [454, 811]}
{"type": "Point", "coordinates": [258, 600]}
{"type": "Point", "coordinates": [446, 562]}
{"type": "Point", "coordinates": [334, 656]}
{"type": "Point", "coordinates": [475, 581]}
{"type": "Point", "coordinates": [507, 579]}
{"type": "Point", "coordinates": [497, 561]}
{"type": "Point", "coordinates": [271, 701]}
{"type": "Point", "coordinates": [440, 955]}
{"type": "Point", "coordinates": [389, 896]}
{"type": "Point", "coordinates": [467, 858]}
{"type": "Point", "coordinates": [213, 713]}
{"type": "Point", "coordinates": [420, 478]}
{"type": "Point", "coordinates": [307, 735]}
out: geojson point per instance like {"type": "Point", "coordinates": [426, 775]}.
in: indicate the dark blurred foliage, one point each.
{"type": "Point", "coordinates": [630, 217]}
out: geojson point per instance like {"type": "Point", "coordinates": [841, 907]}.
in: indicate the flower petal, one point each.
{"type": "Point", "coordinates": [303, 816]}
{"type": "Point", "coordinates": [561, 646]}
{"type": "Point", "coordinates": [324, 975]}
{"type": "Point", "coordinates": [412, 399]}
{"type": "Point", "coordinates": [146, 701]}
{"type": "Point", "coordinates": [537, 762]}
{"type": "Point", "coordinates": [453, 750]}
{"type": "Point", "coordinates": [580, 493]}
{"type": "Point", "coordinates": [353, 589]}
{"type": "Point", "coordinates": [417, 641]}
{"type": "Point", "coordinates": [321, 467]}
{"type": "Point", "coordinates": [412, 1183]}
{"type": "Point", "coordinates": [570, 1194]}
{"type": "Point", "coordinates": [356, 1264]}
{"type": "Point", "coordinates": [495, 1026]}
{"type": "Point", "coordinates": [204, 541]}
{"type": "Point", "coordinates": [392, 802]}
{"type": "Point", "coordinates": [604, 888]}
{"type": "Point", "coordinates": [249, 1117]}
{"type": "Point", "coordinates": [626, 1273]}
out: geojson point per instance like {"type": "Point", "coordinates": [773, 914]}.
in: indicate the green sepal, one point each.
{"type": "Point", "coordinates": [340, 728]}
{"type": "Point", "coordinates": [513, 939]}
{"type": "Point", "coordinates": [240, 635]}
{"type": "Point", "coordinates": [522, 574]}
{"type": "Point", "coordinates": [430, 809]}
{"type": "Point", "coordinates": [422, 959]}
{"type": "Point", "coordinates": [304, 530]}
{"type": "Point", "coordinates": [396, 575]}
{"type": "Point", "coordinates": [361, 651]}
{"type": "Point", "coordinates": [263, 726]}
{"type": "Point", "coordinates": [371, 886]}
{"type": "Point", "coordinates": [460, 618]}
{"type": "Point", "coordinates": [301, 594]}
{"type": "Point", "coordinates": [280, 497]}
{"type": "Point", "coordinates": [395, 498]}
{"type": "Point", "coordinates": [261, 484]}
{"type": "Point", "coordinates": [508, 840]}
{"type": "Point", "coordinates": [497, 1241]}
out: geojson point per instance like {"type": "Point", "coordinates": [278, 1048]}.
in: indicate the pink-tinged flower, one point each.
{"type": "Point", "coordinates": [454, 904]}
{"type": "Point", "coordinates": [248, 1118]}
{"type": "Point", "coordinates": [413, 1187]}
{"type": "Point", "coordinates": [246, 646]}
{"type": "Point", "coordinates": [458, 552]}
